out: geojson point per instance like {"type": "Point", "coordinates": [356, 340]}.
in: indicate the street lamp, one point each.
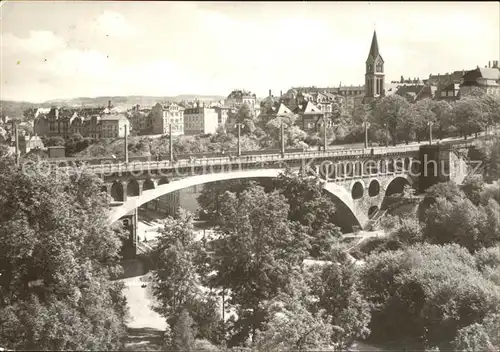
{"type": "Point", "coordinates": [239, 125]}
{"type": "Point", "coordinates": [386, 135]}
{"type": "Point", "coordinates": [282, 140]}
{"type": "Point", "coordinates": [126, 143]}
{"type": "Point", "coordinates": [430, 123]}
{"type": "Point", "coordinates": [324, 130]}
{"type": "Point", "coordinates": [170, 139]}
{"type": "Point", "coordinates": [366, 124]}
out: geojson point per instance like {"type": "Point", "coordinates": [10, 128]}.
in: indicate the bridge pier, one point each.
{"type": "Point", "coordinates": [141, 186]}
{"type": "Point", "coordinates": [124, 188]}
{"type": "Point", "coordinates": [130, 221]}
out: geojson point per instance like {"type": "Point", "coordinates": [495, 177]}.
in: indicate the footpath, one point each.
{"type": "Point", "coordinates": [145, 327]}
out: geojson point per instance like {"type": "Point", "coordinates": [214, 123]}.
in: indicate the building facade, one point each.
{"type": "Point", "coordinates": [310, 116]}
{"type": "Point", "coordinates": [222, 114]}
{"type": "Point", "coordinates": [165, 115]}
{"type": "Point", "coordinates": [114, 126]}
{"type": "Point", "coordinates": [141, 120]}
{"type": "Point", "coordinates": [487, 78]}
{"type": "Point", "coordinates": [64, 123]}
{"type": "Point", "coordinates": [200, 120]}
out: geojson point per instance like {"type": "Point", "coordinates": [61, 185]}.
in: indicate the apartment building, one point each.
{"type": "Point", "coordinates": [200, 120]}
{"type": "Point", "coordinates": [487, 78]}
{"type": "Point", "coordinates": [165, 115]}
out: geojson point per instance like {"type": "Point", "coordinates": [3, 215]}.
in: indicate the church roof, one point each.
{"type": "Point", "coordinates": [374, 51]}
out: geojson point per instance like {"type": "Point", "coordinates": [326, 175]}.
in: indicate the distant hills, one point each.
{"type": "Point", "coordinates": [15, 108]}
{"type": "Point", "coordinates": [129, 100]}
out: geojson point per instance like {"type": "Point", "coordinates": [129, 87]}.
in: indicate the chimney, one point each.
{"type": "Point", "coordinates": [489, 64]}
{"type": "Point", "coordinates": [495, 64]}
{"type": "Point", "coordinates": [281, 93]}
{"type": "Point", "coordinates": [270, 93]}
{"type": "Point", "coordinates": [109, 104]}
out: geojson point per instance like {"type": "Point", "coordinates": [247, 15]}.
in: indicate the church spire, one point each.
{"type": "Point", "coordinates": [374, 47]}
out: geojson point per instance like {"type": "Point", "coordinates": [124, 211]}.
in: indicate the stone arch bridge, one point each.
{"type": "Point", "coordinates": [358, 180]}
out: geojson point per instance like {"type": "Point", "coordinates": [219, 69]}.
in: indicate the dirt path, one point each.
{"type": "Point", "coordinates": [145, 327]}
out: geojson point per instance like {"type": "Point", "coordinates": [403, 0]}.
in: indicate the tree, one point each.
{"type": "Point", "coordinates": [243, 116]}
{"type": "Point", "coordinates": [425, 118]}
{"type": "Point", "coordinates": [255, 254]}
{"type": "Point", "coordinates": [53, 141]}
{"type": "Point", "coordinates": [425, 292]}
{"type": "Point", "coordinates": [447, 190]}
{"type": "Point", "coordinates": [494, 161]}
{"type": "Point", "coordinates": [292, 327]}
{"type": "Point", "coordinates": [469, 116]}
{"type": "Point", "coordinates": [312, 208]}
{"type": "Point", "coordinates": [57, 257]}
{"type": "Point", "coordinates": [183, 339]}
{"type": "Point", "coordinates": [293, 134]}
{"type": "Point", "coordinates": [472, 338]}
{"type": "Point", "coordinates": [408, 231]}
{"type": "Point", "coordinates": [211, 195]}
{"type": "Point", "coordinates": [491, 106]}
{"type": "Point", "coordinates": [335, 288]}
{"type": "Point", "coordinates": [175, 282]}
{"type": "Point", "coordinates": [392, 114]}
{"type": "Point", "coordinates": [473, 187]}
{"type": "Point", "coordinates": [444, 121]}
{"type": "Point", "coordinates": [458, 221]}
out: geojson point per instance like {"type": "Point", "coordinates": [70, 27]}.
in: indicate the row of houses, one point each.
{"type": "Point", "coordinates": [451, 86]}
{"type": "Point", "coordinates": [65, 122]}
{"type": "Point", "coordinates": [197, 118]}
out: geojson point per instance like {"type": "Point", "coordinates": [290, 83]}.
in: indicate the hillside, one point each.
{"type": "Point", "coordinates": [14, 109]}
{"type": "Point", "coordinates": [128, 100]}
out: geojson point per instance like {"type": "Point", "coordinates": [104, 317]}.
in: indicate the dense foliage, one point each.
{"type": "Point", "coordinates": [57, 257]}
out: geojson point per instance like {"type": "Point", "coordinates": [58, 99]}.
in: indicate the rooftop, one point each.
{"type": "Point", "coordinates": [113, 117]}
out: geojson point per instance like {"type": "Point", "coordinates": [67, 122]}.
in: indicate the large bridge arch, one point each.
{"type": "Point", "coordinates": [132, 203]}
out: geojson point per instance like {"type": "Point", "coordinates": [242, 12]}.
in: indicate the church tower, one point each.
{"type": "Point", "coordinates": [374, 77]}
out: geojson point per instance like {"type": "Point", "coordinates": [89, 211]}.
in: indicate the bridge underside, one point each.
{"type": "Point", "coordinates": [357, 200]}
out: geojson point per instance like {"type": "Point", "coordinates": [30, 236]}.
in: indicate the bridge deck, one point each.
{"type": "Point", "coordinates": [246, 159]}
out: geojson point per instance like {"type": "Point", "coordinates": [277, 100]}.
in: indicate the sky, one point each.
{"type": "Point", "coordinates": [60, 50]}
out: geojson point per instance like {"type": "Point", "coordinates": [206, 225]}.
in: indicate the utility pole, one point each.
{"type": "Point", "coordinates": [16, 136]}
{"type": "Point", "coordinates": [386, 135]}
{"type": "Point", "coordinates": [324, 131]}
{"type": "Point", "coordinates": [430, 132]}
{"type": "Point", "coordinates": [282, 140]}
{"type": "Point", "coordinates": [366, 133]}
{"type": "Point", "coordinates": [170, 139]}
{"type": "Point", "coordinates": [239, 138]}
{"type": "Point", "coordinates": [126, 143]}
